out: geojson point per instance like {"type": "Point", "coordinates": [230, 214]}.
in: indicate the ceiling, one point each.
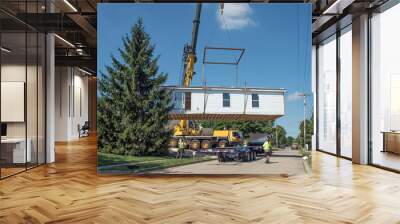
{"type": "Point", "coordinates": [75, 22]}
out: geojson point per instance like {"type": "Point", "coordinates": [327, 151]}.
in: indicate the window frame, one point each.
{"type": "Point", "coordinates": [226, 101]}
{"type": "Point", "coordinates": [255, 103]}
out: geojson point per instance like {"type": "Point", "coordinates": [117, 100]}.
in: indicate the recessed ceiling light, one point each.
{"type": "Point", "coordinates": [5, 50]}
{"type": "Point", "coordinates": [84, 71]}
{"type": "Point", "coordinates": [70, 5]}
{"type": "Point", "coordinates": [337, 7]}
{"type": "Point", "coordinates": [64, 40]}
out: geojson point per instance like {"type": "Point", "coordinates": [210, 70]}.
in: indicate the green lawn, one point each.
{"type": "Point", "coordinates": [145, 163]}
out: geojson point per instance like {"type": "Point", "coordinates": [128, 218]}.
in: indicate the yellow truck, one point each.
{"type": "Point", "coordinates": [233, 137]}
{"type": "Point", "coordinates": [207, 140]}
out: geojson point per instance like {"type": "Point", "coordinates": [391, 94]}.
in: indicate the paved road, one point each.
{"type": "Point", "coordinates": [278, 165]}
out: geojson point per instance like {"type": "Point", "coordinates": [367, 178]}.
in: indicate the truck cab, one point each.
{"type": "Point", "coordinates": [234, 137]}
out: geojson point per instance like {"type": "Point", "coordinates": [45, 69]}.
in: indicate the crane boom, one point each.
{"type": "Point", "coordinates": [190, 59]}
{"type": "Point", "coordinates": [196, 23]}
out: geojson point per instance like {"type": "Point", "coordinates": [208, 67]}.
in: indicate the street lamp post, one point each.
{"type": "Point", "coordinates": [304, 95]}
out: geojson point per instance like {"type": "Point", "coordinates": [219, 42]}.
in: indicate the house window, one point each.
{"type": "Point", "coordinates": [188, 101]}
{"type": "Point", "coordinates": [178, 101]}
{"type": "Point", "coordinates": [226, 100]}
{"type": "Point", "coordinates": [255, 100]}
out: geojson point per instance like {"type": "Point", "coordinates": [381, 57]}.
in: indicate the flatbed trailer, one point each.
{"type": "Point", "coordinates": [239, 153]}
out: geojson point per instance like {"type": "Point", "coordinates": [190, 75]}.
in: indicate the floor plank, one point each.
{"type": "Point", "coordinates": [70, 191]}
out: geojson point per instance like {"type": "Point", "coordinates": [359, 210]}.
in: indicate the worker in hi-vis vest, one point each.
{"type": "Point", "coordinates": [182, 144]}
{"type": "Point", "coordinates": [267, 150]}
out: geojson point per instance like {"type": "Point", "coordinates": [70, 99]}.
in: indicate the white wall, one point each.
{"type": "Point", "coordinates": [14, 73]}
{"type": "Point", "coordinates": [13, 101]}
{"type": "Point", "coordinates": [33, 126]}
{"type": "Point", "coordinates": [71, 87]}
{"type": "Point", "coordinates": [17, 73]}
{"type": "Point", "coordinates": [61, 103]}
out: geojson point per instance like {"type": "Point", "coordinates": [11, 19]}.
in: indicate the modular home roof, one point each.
{"type": "Point", "coordinates": [220, 88]}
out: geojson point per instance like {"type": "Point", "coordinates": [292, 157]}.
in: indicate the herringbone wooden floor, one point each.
{"type": "Point", "coordinates": [70, 191]}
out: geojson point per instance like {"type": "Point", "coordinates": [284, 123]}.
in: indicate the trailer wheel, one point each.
{"type": "Point", "coordinates": [222, 143]}
{"type": "Point", "coordinates": [244, 157]}
{"type": "Point", "coordinates": [173, 143]}
{"type": "Point", "coordinates": [195, 144]}
{"type": "Point", "coordinates": [205, 144]}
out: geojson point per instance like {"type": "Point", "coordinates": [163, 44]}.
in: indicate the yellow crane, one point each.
{"type": "Point", "coordinates": [183, 128]}
{"type": "Point", "coordinates": [187, 129]}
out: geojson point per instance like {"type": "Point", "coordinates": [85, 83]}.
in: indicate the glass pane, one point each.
{"type": "Point", "coordinates": [254, 100]}
{"type": "Point", "coordinates": [41, 98]}
{"type": "Point", "coordinates": [226, 100]}
{"type": "Point", "coordinates": [327, 95]}
{"type": "Point", "coordinates": [385, 91]}
{"type": "Point", "coordinates": [346, 94]}
{"type": "Point", "coordinates": [31, 97]}
{"type": "Point", "coordinates": [13, 88]}
{"type": "Point", "coordinates": [255, 103]}
{"type": "Point", "coordinates": [254, 96]}
{"type": "Point", "coordinates": [178, 101]}
{"type": "Point", "coordinates": [226, 96]}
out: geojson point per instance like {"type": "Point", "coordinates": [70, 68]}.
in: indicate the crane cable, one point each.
{"type": "Point", "coordinates": [230, 42]}
{"type": "Point", "coordinates": [228, 34]}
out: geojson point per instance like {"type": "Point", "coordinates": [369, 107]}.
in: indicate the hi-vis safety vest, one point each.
{"type": "Point", "coordinates": [181, 144]}
{"type": "Point", "coordinates": [266, 146]}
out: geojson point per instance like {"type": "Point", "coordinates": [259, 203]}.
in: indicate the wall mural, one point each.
{"type": "Point", "coordinates": [204, 88]}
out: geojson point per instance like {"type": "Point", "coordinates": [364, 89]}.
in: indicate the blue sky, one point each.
{"type": "Point", "coordinates": [276, 37]}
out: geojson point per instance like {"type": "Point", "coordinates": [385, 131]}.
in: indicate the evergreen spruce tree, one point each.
{"type": "Point", "coordinates": [133, 109]}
